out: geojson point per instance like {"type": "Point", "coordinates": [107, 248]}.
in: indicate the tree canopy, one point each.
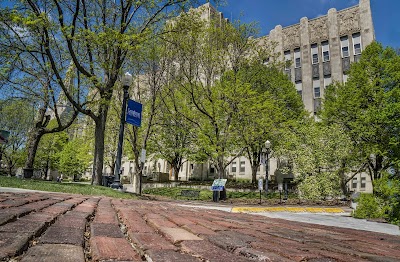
{"type": "Point", "coordinates": [367, 107]}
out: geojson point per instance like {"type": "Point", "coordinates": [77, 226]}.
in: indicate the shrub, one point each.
{"type": "Point", "coordinates": [387, 189]}
{"type": "Point", "coordinates": [319, 187]}
{"type": "Point", "coordinates": [368, 207]}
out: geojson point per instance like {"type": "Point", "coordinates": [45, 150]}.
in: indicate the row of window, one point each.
{"type": "Point", "coordinates": [242, 167]}
{"type": "Point", "coordinates": [344, 44]}
{"type": "Point", "coordinates": [362, 183]}
{"type": "Point", "coordinates": [316, 86]}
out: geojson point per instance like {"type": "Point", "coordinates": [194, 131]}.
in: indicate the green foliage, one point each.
{"type": "Point", "coordinates": [74, 158]}
{"type": "Point", "coordinates": [221, 100]}
{"type": "Point", "coordinates": [368, 207]}
{"type": "Point", "coordinates": [319, 187]}
{"type": "Point", "coordinates": [50, 145]}
{"type": "Point", "coordinates": [275, 107]}
{"type": "Point", "coordinates": [367, 107]}
{"type": "Point", "coordinates": [387, 190]}
{"type": "Point", "coordinates": [384, 203]}
{"type": "Point", "coordinates": [16, 116]}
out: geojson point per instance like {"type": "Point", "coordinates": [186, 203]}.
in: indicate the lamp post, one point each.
{"type": "Point", "coordinates": [126, 82]}
{"type": "Point", "coordinates": [267, 152]}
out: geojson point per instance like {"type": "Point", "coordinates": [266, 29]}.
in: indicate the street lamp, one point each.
{"type": "Point", "coordinates": [126, 82]}
{"type": "Point", "coordinates": [267, 152]}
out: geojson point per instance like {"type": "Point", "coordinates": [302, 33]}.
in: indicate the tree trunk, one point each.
{"type": "Point", "coordinates": [343, 184]}
{"type": "Point", "coordinates": [46, 170]}
{"type": "Point", "coordinates": [176, 172]}
{"type": "Point", "coordinates": [98, 161]}
{"type": "Point", "coordinates": [33, 144]}
{"type": "Point", "coordinates": [378, 166]}
{"type": "Point", "coordinates": [10, 167]}
{"type": "Point", "coordinates": [254, 174]}
{"type": "Point", "coordinates": [221, 167]}
{"type": "Point", "coordinates": [254, 166]}
{"type": "Point", "coordinates": [221, 175]}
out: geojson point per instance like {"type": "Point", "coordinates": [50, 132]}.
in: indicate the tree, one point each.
{"type": "Point", "coordinates": [207, 54]}
{"type": "Point", "coordinates": [50, 145]}
{"type": "Point", "coordinates": [74, 158]}
{"type": "Point", "coordinates": [278, 106]}
{"type": "Point", "coordinates": [98, 39]}
{"type": "Point", "coordinates": [112, 131]}
{"type": "Point", "coordinates": [316, 152]}
{"type": "Point", "coordinates": [16, 118]}
{"type": "Point", "coordinates": [367, 107]}
{"type": "Point", "coordinates": [148, 87]}
{"type": "Point", "coordinates": [25, 74]}
{"type": "Point", "coordinates": [173, 140]}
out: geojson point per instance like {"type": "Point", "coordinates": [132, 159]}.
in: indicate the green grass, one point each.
{"type": "Point", "coordinates": [71, 188]}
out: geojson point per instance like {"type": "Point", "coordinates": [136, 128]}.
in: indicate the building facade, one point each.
{"type": "Point", "coordinates": [317, 52]}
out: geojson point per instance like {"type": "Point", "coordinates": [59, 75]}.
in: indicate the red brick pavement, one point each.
{"type": "Point", "coordinates": [61, 227]}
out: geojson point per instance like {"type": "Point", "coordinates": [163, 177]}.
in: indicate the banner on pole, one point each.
{"type": "Point", "coordinates": [134, 113]}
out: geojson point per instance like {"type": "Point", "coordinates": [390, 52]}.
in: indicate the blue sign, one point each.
{"type": "Point", "coordinates": [134, 113]}
{"type": "Point", "coordinates": [218, 184]}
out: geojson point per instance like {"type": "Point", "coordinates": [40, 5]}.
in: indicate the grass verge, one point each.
{"type": "Point", "coordinates": [72, 188]}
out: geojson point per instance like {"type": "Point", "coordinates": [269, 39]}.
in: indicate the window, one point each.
{"type": "Point", "coordinates": [354, 183]}
{"type": "Point", "coordinates": [297, 58]}
{"type": "Point", "coordinates": [314, 53]}
{"type": "Point", "coordinates": [357, 49]}
{"type": "Point", "coordinates": [327, 81]}
{"type": "Point", "coordinates": [212, 169]}
{"type": "Point", "coordinates": [242, 166]}
{"type": "Point", "coordinates": [317, 89]}
{"type": "Point", "coordinates": [357, 43]}
{"type": "Point", "coordinates": [344, 43]}
{"type": "Point", "coordinates": [325, 51]}
{"type": "Point", "coordinates": [287, 60]}
{"type": "Point", "coordinates": [345, 51]}
{"type": "Point", "coordinates": [317, 92]}
{"type": "Point", "coordinates": [299, 88]}
{"type": "Point", "coordinates": [233, 168]}
{"type": "Point", "coordinates": [345, 78]}
{"type": "Point", "coordinates": [362, 184]}
{"type": "Point", "coordinates": [191, 166]}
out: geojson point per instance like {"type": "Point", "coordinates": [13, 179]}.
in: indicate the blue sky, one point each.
{"type": "Point", "coordinates": [269, 13]}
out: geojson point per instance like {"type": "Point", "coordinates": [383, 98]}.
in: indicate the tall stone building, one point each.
{"type": "Point", "coordinates": [320, 50]}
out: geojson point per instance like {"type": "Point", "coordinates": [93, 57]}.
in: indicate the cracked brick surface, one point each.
{"type": "Point", "coordinates": [64, 227]}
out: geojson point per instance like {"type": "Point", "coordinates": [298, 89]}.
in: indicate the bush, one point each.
{"type": "Point", "coordinates": [387, 190]}
{"type": "Point", "coordinates": [320, 187]}
{"type": "Point", "coordinates": [368, 207]}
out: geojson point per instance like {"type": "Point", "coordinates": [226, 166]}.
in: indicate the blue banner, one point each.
{"type": "Point", "coordinates": [134, 113]}
{"type": "Point", "coordinates": [218, 184]}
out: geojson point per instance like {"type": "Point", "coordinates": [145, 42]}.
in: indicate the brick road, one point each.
{"type": "Point", "coordinates": [58, 227]}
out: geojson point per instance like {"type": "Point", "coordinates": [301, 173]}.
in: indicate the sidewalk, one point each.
{"type": "Point", "coordinates": [327, 216]}
{"type": "Point", "coordinates": [62, 227]}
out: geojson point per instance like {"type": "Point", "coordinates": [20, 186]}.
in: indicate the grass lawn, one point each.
{"type": "Point", "coordinates": [64, 187]}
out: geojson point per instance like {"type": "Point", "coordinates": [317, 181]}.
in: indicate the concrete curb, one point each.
{"type": "Point", "coordinates": [329, 210]}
